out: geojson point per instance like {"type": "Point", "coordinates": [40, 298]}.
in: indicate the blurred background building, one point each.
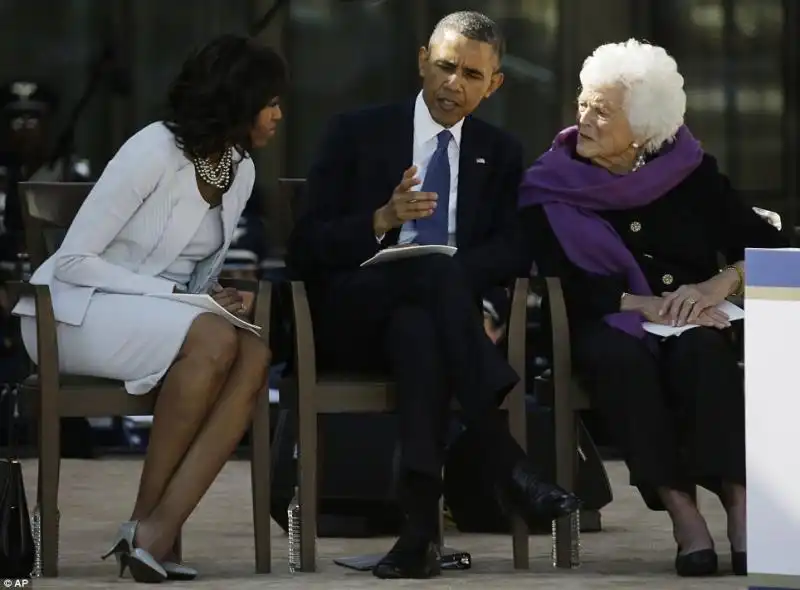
{"type": "Point", "coordinates": [739, 58]}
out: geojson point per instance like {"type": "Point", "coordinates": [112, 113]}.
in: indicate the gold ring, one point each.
{"type": "Point", "coordinates": [412, 201]}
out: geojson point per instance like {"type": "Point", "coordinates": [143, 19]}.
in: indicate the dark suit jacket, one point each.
{"type": "Point", "coordinates": [680, 238]}
{"type": "Point", "coordinates": [362, 159]}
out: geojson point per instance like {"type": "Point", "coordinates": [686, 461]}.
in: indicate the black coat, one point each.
{"type": "Point", "coordinates": [684, 237]}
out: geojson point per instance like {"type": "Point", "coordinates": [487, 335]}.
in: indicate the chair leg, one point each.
{"type": "Point", "coordinates": [517, 422]}
{"type": "Point", "coordinates": [567, 528]}
{"type": "Point", "coordinates": [47, 490]}
{"type": "Point", "coordinates": [307, 478]}
{"type": "Point", "coordinates": [260, 466]}
{"type": "Point", "coordinates": [440, 523]}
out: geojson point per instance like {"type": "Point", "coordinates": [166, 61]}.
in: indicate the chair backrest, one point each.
{"type": "Point", "coordinates": [293, 193]}
{"type": "Point", "coordinates": [48, 209]}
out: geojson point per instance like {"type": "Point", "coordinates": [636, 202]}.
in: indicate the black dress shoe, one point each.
{"type": "Point", "coordinates": [534, 499]}
{"type": "Point", "coordinates": [739, 562]}
{"type": "Point", "coordinates": [697, 563]}
{"type": "Point", "coordinates": [411, 557]}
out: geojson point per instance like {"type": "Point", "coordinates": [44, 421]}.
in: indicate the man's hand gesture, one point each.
{"type": "Point", "coordinates": [405, 204]}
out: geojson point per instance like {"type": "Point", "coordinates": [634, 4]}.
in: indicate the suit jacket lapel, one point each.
{"type": "Point", "coordinates": [472, 168]}
{"type": "Point", "coordinates": [399, 145]}
{"type": "Point", "coordinates": [184, 219]}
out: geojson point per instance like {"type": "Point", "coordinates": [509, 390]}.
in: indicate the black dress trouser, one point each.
{"type": "Point", "coordinates": [419, 320]}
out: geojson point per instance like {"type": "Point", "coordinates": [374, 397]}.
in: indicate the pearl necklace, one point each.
{"type": "Point", "coordinates": [219, 175]}
{"type": "Point", "coordinates": [640, 161]}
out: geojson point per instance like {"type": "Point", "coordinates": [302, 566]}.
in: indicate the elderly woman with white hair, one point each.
{"type": "Point", "coordinates": [634, 217]}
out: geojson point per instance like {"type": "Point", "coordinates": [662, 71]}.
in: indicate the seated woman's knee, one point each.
{"type": "Point", "coordinates": [254, 358]}
{"type": "Point", "coordinates": [212, 340]}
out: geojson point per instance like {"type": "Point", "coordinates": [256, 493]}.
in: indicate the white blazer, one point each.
{"type": "Point", "coordinates": [138, 218]}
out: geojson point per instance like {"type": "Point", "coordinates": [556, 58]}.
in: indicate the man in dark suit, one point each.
{"type": "Point", "coordinates": [424, 172]}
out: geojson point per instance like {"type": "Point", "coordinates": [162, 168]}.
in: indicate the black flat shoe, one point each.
{"type": "Point", "coordinates": [739, 562]}
{"type": "Point", "coordinates": [697, 563]}
{"type": "Point", "coordinates": [534, 499]}
{"type": "Point", "coordinates": [415, 558]}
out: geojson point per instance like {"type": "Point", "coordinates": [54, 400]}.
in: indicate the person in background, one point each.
{"type": "Point", "coordinates": [424, 171]}
{"type": "Point", "coordinates": [634, 217]}
{"type": "Point", "coordinates": [158, 221]}
{"type": "Point", "coordinates": [27, 110]}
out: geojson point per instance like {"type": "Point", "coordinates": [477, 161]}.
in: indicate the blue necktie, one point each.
{"type": "Point", "coordinates": [434, 229]}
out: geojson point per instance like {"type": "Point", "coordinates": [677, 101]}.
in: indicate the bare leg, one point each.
{"type": "Point", "coordinates": [688, 525]}
{"type": "Point", "coordinates": [734, 499]}
{"type": "Point", "coordinates": [209, 452]}
{"type": "Point", "coordinates": [187, 395]}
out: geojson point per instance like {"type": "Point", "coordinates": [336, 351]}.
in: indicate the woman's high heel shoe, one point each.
{"type": "Point", "coordinates": [143, 566]}
{"type": "Point", "coordinates": [119, 548]}
{"type": "Point", "coordinates": [178, 571]}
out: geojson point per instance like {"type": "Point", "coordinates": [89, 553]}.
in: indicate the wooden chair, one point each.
{"type": "Point", "coordinates": [568, 400]}
{"type": "Point", "coordinates": [313, 393]}
{"type": "Point", "coordinates": [48, 210]}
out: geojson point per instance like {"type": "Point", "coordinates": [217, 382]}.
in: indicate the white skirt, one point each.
{"type": "Point", "coordinates": [130, 338]}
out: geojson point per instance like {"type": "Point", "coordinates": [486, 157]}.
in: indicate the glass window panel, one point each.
{"type": "Point", "coordinates": [692, 32]}
{"type": "Point", "coordinates": [730, 53]}
{"type": "Point", "coordinates": [756, 43]}
{"type": "Point", "coordinates": [528, 104]}
{"type": "Point", "coordinates": [166, 33]}
{"type": "Point", "coordinates": [359, 55]}
{"type": "Point", "coordinates": [344, 55]}
{"type": "Point", "coordinates": [55, 43]}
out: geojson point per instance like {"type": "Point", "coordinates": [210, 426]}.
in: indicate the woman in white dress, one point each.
{"type": "Point", "coordinates": [159, 220]}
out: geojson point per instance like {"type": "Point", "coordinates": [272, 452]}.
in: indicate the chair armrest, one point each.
{"type": "Point", "coordinates": [19, 289]}
{"type": "Point", "coordinates": [241, 284]}
{"type": "Point", "coordinates": [47, 348]}
{"type": "Point", "coordinates": [262, 308]}
{"type": "Point", "coordinates": [517, 327]}
{"type": "Point", "coordinates": [562, 352]}
{"type": "Point", "coordinates": [305, 351]}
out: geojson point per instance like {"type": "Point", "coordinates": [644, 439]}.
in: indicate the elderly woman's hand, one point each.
{"type": "Point", "coordinates": [686, 304]}
{"type": "Point", "coordinates": [650, 309]}
{"type": "Point", "coordinates": [647, 306]}
{"type": "Point", "coordinates": [713, 318]}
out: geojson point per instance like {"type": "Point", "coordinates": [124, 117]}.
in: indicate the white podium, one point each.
{"type": "Point", "coordinates": [772, 405]}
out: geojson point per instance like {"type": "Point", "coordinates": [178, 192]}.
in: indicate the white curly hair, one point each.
{"type": "Point", "coordinates": [655, 102]}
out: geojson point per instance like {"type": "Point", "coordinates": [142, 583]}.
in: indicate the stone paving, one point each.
{"type": "Point", "coordinates": [635, 549]}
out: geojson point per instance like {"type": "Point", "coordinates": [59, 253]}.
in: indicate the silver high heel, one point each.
{"type": "Point", "coordinates": [143, 566]}
{"type": "Point", "coordinates": [178, 571]}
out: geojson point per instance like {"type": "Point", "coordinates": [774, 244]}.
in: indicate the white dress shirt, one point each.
{"type": "Point", "coordinates": [426, 131]}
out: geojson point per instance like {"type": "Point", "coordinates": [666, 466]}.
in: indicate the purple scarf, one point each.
{"type": "Point", "coordinates": [572, 192]}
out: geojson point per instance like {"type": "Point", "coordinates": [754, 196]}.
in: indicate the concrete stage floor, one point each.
{"type": "Point", "coordinates": [635, 549]}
